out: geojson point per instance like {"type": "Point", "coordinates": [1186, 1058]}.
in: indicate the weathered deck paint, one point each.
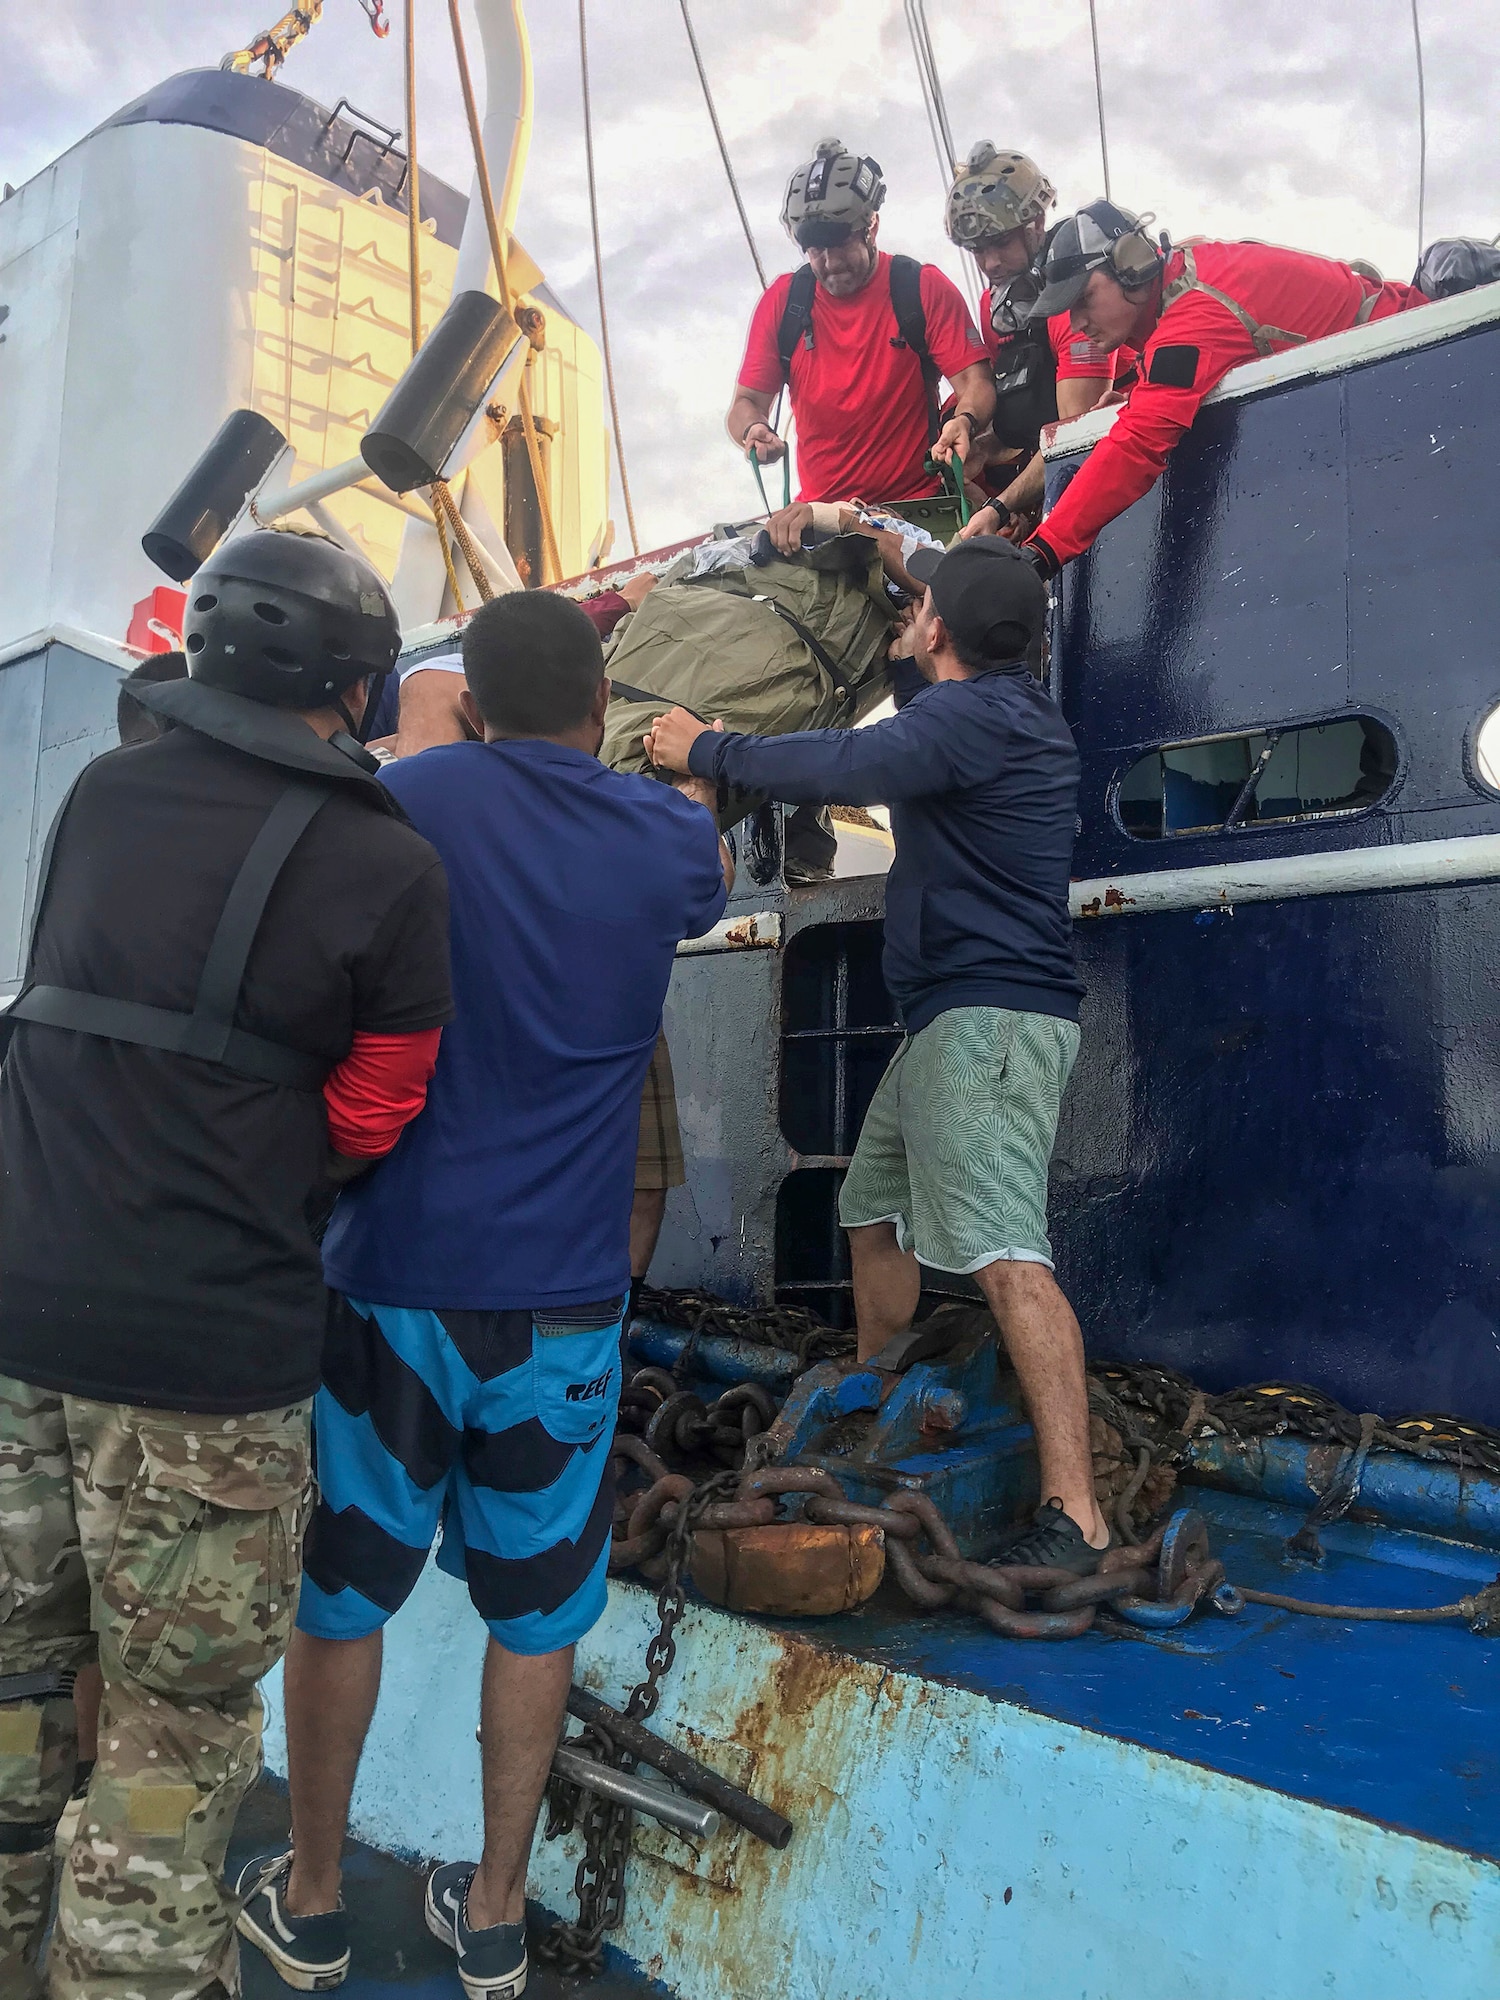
{"type": "Point", "coordinates": [955, 1840]}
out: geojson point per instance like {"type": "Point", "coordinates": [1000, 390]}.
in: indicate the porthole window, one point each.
{"type": "Point", "coordinates": [1266, 777]}
{"type": "Point", "coordinates": [1487, 750]}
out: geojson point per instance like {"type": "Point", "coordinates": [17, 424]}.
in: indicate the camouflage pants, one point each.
{"type": "Point", "coordinates": [173, 1545]}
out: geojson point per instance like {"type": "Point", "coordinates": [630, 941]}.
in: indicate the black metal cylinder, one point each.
{"type": "Point", "coordinates": [191, 525]}
{"type": "Point", "coordinates": [448, 377]}
{"type": "Point", "coordinates": [763, 1821]}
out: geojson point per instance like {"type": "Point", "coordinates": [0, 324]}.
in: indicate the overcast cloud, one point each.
{"type": "Point", "coordinates": [1293, 123]}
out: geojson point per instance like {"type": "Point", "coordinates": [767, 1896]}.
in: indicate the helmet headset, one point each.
{"type": "Point", "coordinates": [1100, 237]}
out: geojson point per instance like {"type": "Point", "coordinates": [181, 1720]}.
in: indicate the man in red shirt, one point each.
{"type": "Point", "coordinates": [863, 383]}
{"type": "Point", "coordinates": [1044, 369]}
{"type": "Point", "coordinates": [1193, 313]}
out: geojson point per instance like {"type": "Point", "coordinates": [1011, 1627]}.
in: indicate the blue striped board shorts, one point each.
{"type": "Point", "coordinates": [494, 1426]}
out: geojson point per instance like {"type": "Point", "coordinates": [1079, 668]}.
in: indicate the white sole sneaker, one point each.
{"type": "Point", "coordinates": [504, 1986]}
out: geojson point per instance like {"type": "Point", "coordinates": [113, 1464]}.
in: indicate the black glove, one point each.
{"type": "Point", "coordinates": [1041, 558]}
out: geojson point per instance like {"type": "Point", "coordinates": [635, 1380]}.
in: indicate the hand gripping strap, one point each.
{"type": "Point", "coordinates": [209, 1031]}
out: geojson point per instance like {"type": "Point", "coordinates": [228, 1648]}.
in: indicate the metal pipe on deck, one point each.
{"type": "Point", "coordinates": [640, 1794]}
{"type": "Point", "coordinates": [1428, 1496]}
{"type": "Point", "coordinates": [761, 1820]}
{"type": "Point", "coordinates": [718, 1357]}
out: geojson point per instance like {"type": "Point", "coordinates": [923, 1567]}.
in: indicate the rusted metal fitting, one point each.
{"type": "Point", "coordinates": [532, 321]}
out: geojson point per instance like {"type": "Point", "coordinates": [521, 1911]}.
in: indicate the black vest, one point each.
{"type": "Point", "coordinates": [315, 769]}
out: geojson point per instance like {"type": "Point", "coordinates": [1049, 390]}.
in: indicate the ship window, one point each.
{"type": "Point", "coordinates": [1487, 750]}
{"type": "Point", "coordinates": [1267, 777]}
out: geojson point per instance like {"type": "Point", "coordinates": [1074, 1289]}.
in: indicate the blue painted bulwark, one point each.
{"type": "Point", "coordinates": [1279, 1152]}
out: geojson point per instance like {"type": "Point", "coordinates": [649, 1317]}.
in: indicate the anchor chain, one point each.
{"type": "Point", "coordinates": [599, 1884]}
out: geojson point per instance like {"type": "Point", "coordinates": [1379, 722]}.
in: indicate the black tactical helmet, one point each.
{"type": "Point", "coordinates": [288, 619]}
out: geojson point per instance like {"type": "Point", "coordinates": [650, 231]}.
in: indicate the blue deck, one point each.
{"type": "Point", "coordinates": [1398, 1723]}
{"type": "Point", "coordinates": [393, 1952]}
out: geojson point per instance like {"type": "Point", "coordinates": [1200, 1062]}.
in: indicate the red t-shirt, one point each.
{"type": "Point", "coordinates": [860, 407]}
{"type": "Point", "coordinates": [1077, 357]}
{"type": "Point", "coordinates": [1191, 349]}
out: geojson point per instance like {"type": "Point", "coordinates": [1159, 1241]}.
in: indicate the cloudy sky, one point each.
{"type": "Point", "coordinates": [1266, 118]}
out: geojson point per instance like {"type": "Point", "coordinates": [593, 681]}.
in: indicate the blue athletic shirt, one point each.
{"type": "Point", "coordinates": [570, 887]}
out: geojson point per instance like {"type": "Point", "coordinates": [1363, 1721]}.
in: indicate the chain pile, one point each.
{"type": "Point", "coordinates": [792, 1329]}
{"type": "Point", "coordinates": [599, 1884]}
{"type": "Point", "coordinates": [697, 1466]}
{"type": "Point", "coordinates": [1166, 1411]}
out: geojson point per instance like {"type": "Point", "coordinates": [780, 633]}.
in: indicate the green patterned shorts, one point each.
{"type": "Point", "coordinates": [956, 1142]}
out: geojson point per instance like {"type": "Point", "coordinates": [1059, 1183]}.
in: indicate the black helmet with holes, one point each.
{"type": "Point", "coordinates": [289, 619]}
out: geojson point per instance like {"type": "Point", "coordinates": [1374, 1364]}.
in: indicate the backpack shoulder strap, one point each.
{"type": "Point", "coordinates": [1266, 338]}
{"type": "Point", "coordinates": [796, 317]}
{"type": "Point", "coordinates": [911, 325]}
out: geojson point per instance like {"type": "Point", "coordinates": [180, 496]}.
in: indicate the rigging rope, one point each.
{"type": "Point", "coordinates": [1416, 35]}
{"type": "Point", "coordinates": [273, 45]}
{"type": "Point", "coordinates": [609, 366]}
{"type": "Point", "coordinates": [440, 524]}
{"type": "Point", "coordinates": [442, 500]}
{"type": "Point", "coordinates": [413, 196]}
{"type": "Point", "coordinates": [1099, 96]}
{"type": "Point", "coordinates": [734, 186]}
{"type": "Point", "coordinates": [459, 529]}
{"type": "Point", "coordinates": [551, 560]}
{"type": "Point", "coordinates": [935, 105]}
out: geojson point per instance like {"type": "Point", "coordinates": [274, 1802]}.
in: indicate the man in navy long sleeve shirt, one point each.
{"type": "Point", "coordinates": [981, 776]}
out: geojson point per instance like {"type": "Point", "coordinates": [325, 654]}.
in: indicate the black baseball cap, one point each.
{"type": "Point", "coordinates": [987, 594]}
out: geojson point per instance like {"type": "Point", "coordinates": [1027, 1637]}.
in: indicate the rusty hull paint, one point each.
{"type": "Point", "coordinates": [948, 1843]}
{"type": "Point", "coordinates": [1035, 1858]}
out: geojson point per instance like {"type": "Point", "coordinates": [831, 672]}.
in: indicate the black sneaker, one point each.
{"type": "Point", "coordinates": [1053, 1541]}
{"type": "Point", "coordinates": [491, 1963]}
{"type": "Point", "coordinates": [309, 1953]}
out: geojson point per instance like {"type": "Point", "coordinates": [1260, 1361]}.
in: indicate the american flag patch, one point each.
{"type": "Point", "coordinates": [1083, 350]}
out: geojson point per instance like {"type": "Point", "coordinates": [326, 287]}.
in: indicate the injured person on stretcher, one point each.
{"type": "Point", "coordinates": [788, 628]}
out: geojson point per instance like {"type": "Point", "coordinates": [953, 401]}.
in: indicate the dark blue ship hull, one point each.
{"type": "Point", "coordinates": [1281, 1150]}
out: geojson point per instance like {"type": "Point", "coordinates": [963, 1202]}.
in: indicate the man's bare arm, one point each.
{"type": "Point", "coordinates": [749, 424]}
{"type": "Point", "coordinates": [973, 406]}
{"type": "Point", "coordinates": [1026, 494]}
{"type": "Point", "coordinates": [706, 794]}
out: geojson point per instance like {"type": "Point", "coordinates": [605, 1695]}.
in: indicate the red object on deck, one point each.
{"type": "Point", "coordinates": [156, 622]}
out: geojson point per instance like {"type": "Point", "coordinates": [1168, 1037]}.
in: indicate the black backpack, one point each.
{"type": "Point", "coordinates": [911, 323]}
{"type": "Point", "coordinates": [1456, 264]}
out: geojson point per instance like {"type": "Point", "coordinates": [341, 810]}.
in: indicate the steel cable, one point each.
{"type": "Point", "coordinates": [1416, 34]}
{"type": "Point", "coordinates": [609, 366]}
{"type": "Point", "coordinates": [1099, 95]}
{"type": "Point", "coordinates": [734, 186]}
{"type": "Point", "coordinates": [935, 104]}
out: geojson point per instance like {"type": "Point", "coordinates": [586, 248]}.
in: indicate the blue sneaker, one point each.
{"type": "Point", "coordinates": [309, 1953]}
{"type": "Point", "coordinates": [491, 1963]}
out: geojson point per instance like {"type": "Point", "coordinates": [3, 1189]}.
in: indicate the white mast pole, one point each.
{"type": "Point", "coordinates": [507, 136]}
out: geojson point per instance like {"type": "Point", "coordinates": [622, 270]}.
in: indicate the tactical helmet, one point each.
{"type": "Point", "coordinates": [1099, 237]}
{"type": "Point", "coordinates": [289, 619]}
{"type": "Point", "coordinates": [833, 198]}
{"type": "Point", "coordinates": [995, 193]}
